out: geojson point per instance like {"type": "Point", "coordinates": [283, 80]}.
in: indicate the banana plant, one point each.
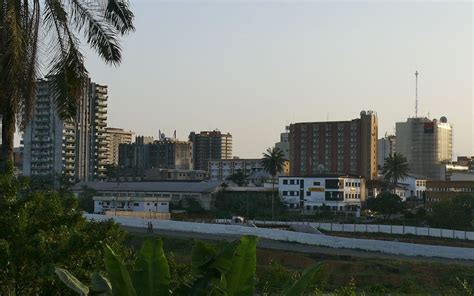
{"type": "Point", "coordinates": [226, 269]}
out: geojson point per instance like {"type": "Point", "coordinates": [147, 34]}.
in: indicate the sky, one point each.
{"type": "Point", "coordinates": [252, 67]}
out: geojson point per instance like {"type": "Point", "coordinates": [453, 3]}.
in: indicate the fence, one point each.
{"type": "Point", "coordinates": [372, 228]}
{"type": "Point", "coordinates": [390, 247]}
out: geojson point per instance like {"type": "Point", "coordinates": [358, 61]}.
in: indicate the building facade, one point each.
{"type": "Point", "coordinates": [426, 144]}
{"type": "Point", "coordinates": [316, 193]}
{"type": "Point", "coordinates": [284, 144]}
{"type": "Point", "coordinates": [75, 148]}
{"type": "Point", "coordinates": [165, 153]}
{"type": "Point", "coordinates": [385, 148]}
{"type": "Point", "coordinates": [148, 196]}
{"type": "Point", "coordinates": [210, 145]}
{"type": "Point", "coordinates": [340, 147]}
{"type": "Point", "coordinates": [437, 191]}
{"type": "Point", "coordinates": [115, 137]}
{"type": "Point", "coordinates": [220, 170]}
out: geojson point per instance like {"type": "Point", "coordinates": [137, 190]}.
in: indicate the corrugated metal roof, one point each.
{"type": "Point", "coordinates": [150, 186]}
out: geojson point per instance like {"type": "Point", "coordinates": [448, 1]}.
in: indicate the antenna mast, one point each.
{"type": "Point", "coordinates": [416, 94]}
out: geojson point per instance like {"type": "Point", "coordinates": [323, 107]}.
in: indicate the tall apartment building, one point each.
{"type": "Point", "coordinates": [284, 144]}
{"type": "Point", "coordinates": [339, 147]}
{"type": "Point", "coordinates": [426, 144]}
{"type": "Point", "coordinates": [115, 137]}
{"type": "Point", "coordinates": [210, 145]}
{"type": "Point", "coordinates": [165, 153]}
{"type": "Point", "coordinates": [75, 148]}
{"type": "Point", "coordinates": [385, 147]}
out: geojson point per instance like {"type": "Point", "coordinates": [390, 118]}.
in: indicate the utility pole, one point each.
{"type": "Point", "coordinates": [416, 94]}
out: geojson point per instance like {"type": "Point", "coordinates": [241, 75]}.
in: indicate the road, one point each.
{"type": "Point", "coordinates": [301, 248]}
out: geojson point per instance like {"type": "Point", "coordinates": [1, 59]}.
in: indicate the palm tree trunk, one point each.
{"type": "Point", "coordinates": [8, 132]}
{"type": "Point", "coordinates": [273, 198]}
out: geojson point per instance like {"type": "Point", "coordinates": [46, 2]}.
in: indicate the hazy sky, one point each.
{"type": "Point", "coordinates": [252, 67]}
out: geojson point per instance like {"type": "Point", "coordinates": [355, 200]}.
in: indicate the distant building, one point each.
{"type": "Point", "coordinates": [317, 193]}
{"type": "Point", "coordinates": [385, 148]}
{"type": "Point", "coordinates": [223, 169]}
{"type": "Point", "coordinates": [147, 153]}
{"type": "Point", "coordinates": [210, 145]}
{"type": "Point", "coordinates": [148, 197]}
{"type": "Point", "coordinates": [437, 191]}
{"type": "Point", "coordinates": [175, 175]}
{"type": "Point", "coordinates": [426, 144]}
{"type": "Point", "coordinates": [340, 147]}
{"type": "Point", "coordinates": [284, 144]}
{"type": "Point", "coordinates": [115, 137]}
{"type": "Point", "coordinates": [76, 148]}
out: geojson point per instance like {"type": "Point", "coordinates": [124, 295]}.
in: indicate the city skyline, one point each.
{"type": "Point", "coordinates": [252, 68]}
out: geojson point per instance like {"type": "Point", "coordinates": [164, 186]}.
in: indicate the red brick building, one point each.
{"type": "Point", "coordinates": [342, 147]}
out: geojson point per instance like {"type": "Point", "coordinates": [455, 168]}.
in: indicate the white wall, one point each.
{"type": "Point", "coordinates": [390, 247]}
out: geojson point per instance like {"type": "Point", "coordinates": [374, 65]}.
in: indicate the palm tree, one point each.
{"type": "Point", "coordinates": [273, 162]}
{"type": "Point", "coordinates": [395, 168]}
{"type": "Point", "coordinates": [35, 32]}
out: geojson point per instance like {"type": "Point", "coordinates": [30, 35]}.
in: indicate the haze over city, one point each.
{"type": "Point", "coordinates": [250, 68]}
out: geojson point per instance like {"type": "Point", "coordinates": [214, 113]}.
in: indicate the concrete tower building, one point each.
{"type": "Point", "coordinates": [427, 145]}
{"type": "Point", "coordinates": [74, 148]}
{"type": "Point", "coordinates": [342, 147]}
{"type": "Point", "coordinates": [385, 147]}
{"type": "Point", "coordinates": [210, 145]}
{"type": "Point", "coordinates": [115, 137]}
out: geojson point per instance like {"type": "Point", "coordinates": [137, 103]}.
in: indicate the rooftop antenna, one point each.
{"type": "Point", "coordinates": [416, 94]}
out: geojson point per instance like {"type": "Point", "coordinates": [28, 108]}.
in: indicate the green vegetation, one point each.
{"type": "Point", "coordinates": [455, 213]}
{"type": "Point", "coordinates": [238, 178]}
{"type": "Point", "coordinates": [340, 274]}
{"type": "Point", "coordinates": [386, 204]}
{"type": "Point", "coordinates": [227, 268]}
{"type": "Point", "coordinates": [273, 162]}
{"type": "Point", "coordinates": [22, 26]}
{"type": "Point", "coordinates": [253, 205]}
{"type": "Point", "coordinates": [395, 168]}
{"type": "Point", "coordinates": [41, 230]}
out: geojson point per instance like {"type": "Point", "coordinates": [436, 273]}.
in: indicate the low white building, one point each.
{"type": "Point", "coordinates": [334, 192]}
{"type": "Point", "coordinates": [220, 170]}
{"type": "Point", "coordinates": [152, 197]}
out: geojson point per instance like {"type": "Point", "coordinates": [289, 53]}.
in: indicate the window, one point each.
{"type": "Point", "coordinates": [147, 203]}
{"type": "Point", "coordinates": [164, 204]}
{"type": "Point", "coordinates": [308, 193]}
{"type": "Point", "coordinates": [308, 208]}
{"type": "Point", "coordinates": [285, 193]}
{"type": "Point", "coordinates": [316, 183]}
{"type": "Point", "coordinates": [292, 182]}
{"type": "Point", "coordinates": [285, 182]}
{"type": "Point", "coordinates": [292, 193]}
{"type": "Point", "coordinates": [136, 204]}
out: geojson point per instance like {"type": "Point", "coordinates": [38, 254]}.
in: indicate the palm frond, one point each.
{"type": "Point", "coordinates": [119, 14]}
{"type": "Point", "coordinates": [99, 33]}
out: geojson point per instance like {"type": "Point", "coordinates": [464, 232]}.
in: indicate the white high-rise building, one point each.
{"type": "Point", "coordinates": [115, 137]}
{"type": "Point", "coordinates": [74, 148]}
{"type": "Point", "coordinates": [385, 147]}
{"type": "Point", "coordinates": [284, 144]}
{"type": "Point", "coordinates": [426, 144]}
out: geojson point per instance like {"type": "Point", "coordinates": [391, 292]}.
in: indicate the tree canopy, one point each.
{"type": "Point", "coordinates": [386, 203]}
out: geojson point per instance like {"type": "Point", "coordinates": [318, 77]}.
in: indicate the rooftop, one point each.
{"type": "Point", "coordinates": [203, 187]}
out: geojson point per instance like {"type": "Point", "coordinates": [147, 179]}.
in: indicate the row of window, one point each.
{"type": "Point", "coordinates": [135, 204]}
{"type": "Point", "coordinates": [445, 189]}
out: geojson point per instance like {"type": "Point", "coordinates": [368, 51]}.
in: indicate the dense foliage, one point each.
{"type": "Point", "coordinates": [224, 269]}
{"type": "Point", "coordinates": [24, 27]}
{"type": "Point", "coordinates": [386, 203]}
{"type": "Point", "coordinates": [453, 213]}
{"type": "Point", "coordinates": [40, 230]}
{"type": "Point", "coordinates": [253, 205]}
{"type": "Point", "coordinates": [395, 168]}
